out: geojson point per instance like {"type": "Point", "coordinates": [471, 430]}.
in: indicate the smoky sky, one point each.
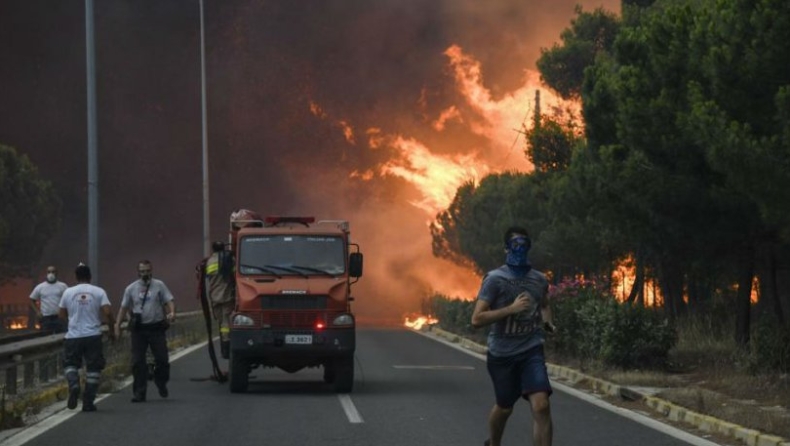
{"type": "Point", "coordinates": [368, 63]}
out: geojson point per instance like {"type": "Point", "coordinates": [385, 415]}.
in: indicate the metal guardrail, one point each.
{"type": "Point", "coordinates": [30, 364]}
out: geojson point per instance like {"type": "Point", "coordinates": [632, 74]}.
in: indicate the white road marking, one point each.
{"type": "Point", "coordinates": [434, 367]}
{"type": "Point", "coordinates": [62, 414]}
{"type": "Point", "coordinates": [634, 416]}
{"type": "Point", "coordinates": [351, 411]}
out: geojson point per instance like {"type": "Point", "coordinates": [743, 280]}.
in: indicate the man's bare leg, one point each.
{"type": "Point", "coordinates": [542, 429]}
{"type": "Point", "coordinates": [496, 423]}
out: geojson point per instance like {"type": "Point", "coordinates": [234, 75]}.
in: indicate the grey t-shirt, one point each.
{"type": "Point", "coordinates": [48, 294]}
{"type": "Point", "coordinates": [147, 300]}
{"type": "Point", "coordinates": [519, 332]}
{"type": "Point", "coordinates": [83, 304]}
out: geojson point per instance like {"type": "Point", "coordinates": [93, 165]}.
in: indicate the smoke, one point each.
{"type": "Point", "coordinates": [358, 110]}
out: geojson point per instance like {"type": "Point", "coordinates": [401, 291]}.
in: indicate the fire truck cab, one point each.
{"type": "Point", "coordinates": [293, 279]}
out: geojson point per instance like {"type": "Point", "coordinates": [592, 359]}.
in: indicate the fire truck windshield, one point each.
{"type": "Point", "coordinates": [301, 255]}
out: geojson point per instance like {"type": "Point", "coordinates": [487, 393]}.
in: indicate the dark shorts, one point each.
{"type": "Point", "coordinates": [518, 375]}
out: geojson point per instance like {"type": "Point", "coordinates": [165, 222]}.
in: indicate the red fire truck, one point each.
{"type": "Point", "coordinates": [293, 278]}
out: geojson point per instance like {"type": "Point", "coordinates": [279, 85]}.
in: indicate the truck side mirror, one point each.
{"type": "Point", "coordinates": [355, 264]}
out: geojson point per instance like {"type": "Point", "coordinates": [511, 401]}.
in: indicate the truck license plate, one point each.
{"type": "Point", "coordinates": [298, 339]}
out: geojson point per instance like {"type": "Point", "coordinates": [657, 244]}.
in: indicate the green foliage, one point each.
{"type": "Point", "coordinates": [562, 67]}
{"type": "Point", "coordinates": [470, 231]}
{"type": "Point", "coordinates": [29, 213]}
{"type": "Point", "coordinates": [550, 143]}
{"type": "Point", "coordinates": [636, 337]}
{"type": "Point", "coordinates": [593, 325]}
{"type": "Point", "coordinates": [455, 316]}
{"type": "Point", "coordinates": [770, 347]}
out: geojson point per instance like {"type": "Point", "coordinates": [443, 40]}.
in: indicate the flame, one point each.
{"type": "Point", "coordinates": [438, 176]}
{"type": "Point", "coordinates": [503, 117]}
{"type": "Point", "coordinates": [434, 171]}
{"type": "Point", "coordinates": [625, 275]}
{"type": "Point", "coordinates": [419, 322]}
{"type": "Point", "coordinates": [17, 325]}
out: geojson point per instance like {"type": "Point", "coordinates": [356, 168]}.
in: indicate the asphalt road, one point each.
{"type": "Point", "coordinates": [409, 390]}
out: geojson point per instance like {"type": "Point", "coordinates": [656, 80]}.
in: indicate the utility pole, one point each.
{"type": "Point", "coordinates": [93, 170]}
{"type": "Point", "coordinates": [206, 228]}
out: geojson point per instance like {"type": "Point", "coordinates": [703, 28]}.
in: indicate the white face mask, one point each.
{"type": "Point", "coordinates": [51, 277]}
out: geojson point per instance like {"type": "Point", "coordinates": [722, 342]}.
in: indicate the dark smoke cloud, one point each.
{"type": "Point", "coordinates": [369, 63]}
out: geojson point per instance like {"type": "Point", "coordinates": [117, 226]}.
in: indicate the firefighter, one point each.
{"type": "Point", "coordinates": [219, 287]}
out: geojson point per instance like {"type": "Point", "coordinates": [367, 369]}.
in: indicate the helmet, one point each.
{"type": "Point", "coordinates": [242, 218]}
{"type": "Point", "coordinates": [218, 246]}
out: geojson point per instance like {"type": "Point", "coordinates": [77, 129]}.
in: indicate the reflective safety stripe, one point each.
{"type": "Point", "coordinates": [92, 377]}
{"type": "Point", "coordinates": [70, 369]}
{"type": "Point", "coordinates": [212, 268]}
{"type": "Point", "coordinates": [224, 329]}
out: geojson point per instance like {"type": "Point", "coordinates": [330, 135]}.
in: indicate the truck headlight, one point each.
{"type": "Point", "coordinates": [243, 320]}
{"type": "Point", "coordinates": [343, 320]}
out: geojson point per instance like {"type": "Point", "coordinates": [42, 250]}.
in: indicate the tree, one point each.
{"type": "Point", "coordinates": [470, 230]}
{"type": "Point", "coordinates": [29, 214]}
{"type": "Point", "coordinates": [562, 67]}
{"type": "Point", "coordinates": [741, 114]}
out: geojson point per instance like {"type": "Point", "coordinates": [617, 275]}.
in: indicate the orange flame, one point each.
{"type": "Point", "coordinates": [419, 322]}
{"type": "Point", "coordinates": [17, 325]}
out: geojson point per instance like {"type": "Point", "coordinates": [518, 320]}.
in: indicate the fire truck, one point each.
{"type": "Point", "coordinates": [293, 279]}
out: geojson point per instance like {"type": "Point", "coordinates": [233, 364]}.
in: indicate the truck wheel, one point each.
{"type": "Point", "coordinates": [238, 375]}
{"type": "Point", "coordinates": [329, 372]}
{"type": "Point", "coordinates": [344, 374]}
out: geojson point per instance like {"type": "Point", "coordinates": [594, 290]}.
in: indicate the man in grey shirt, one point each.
{"type": "Point", "coordinates": [152, 311]}
{"type": "Point", "coordinates": [513, 300]}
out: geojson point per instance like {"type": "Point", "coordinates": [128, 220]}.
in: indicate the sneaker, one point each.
{"type": "Point", "coordinates": [89, 408]}
{"type": "Point", "coordinates": [74, 394]}
{"type": "Point", "coordinates": [163, 390]}
{"type": "Point", "coordinates": [138, 399]}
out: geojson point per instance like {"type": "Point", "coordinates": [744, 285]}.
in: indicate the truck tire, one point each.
{"type": "Point", "coordinates": [344, 374]}
{"type": "Point", "coordinates": [238, 375]}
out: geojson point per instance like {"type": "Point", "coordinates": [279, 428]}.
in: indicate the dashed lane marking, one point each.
{"type": "Point", "coordinates": [351, 411]}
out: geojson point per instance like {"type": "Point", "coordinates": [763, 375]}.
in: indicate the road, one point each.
{"type": "Point", "coordinates": [409, 390]}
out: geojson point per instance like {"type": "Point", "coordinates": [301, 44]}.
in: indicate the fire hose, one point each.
{"type": "Point", "coordinates": [218, 374]}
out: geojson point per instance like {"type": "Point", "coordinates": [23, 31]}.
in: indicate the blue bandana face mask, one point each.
{"type": "Point", "coordinates": [517, 250]}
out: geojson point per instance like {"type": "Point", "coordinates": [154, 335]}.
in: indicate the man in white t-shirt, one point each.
{"type": "Point", "coordinates": [85, 306]}
{"type": "Point", "coordinates": [45, 301]}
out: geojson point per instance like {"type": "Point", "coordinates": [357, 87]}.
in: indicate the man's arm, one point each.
{"type": "Point", "coordinates": [107, 313]}
{"type": "Point", "coordinates": [35, 299]}
{"type": "Point", "coordinates": [63, 314]}
{"type": "Point", "coordinates": [171, 311]}
{"type": "Point", "coordinates": [483, 314]}
{"type": "Point", "coordinates": [35, 307]}
{"type": "Point", "coordinates": [121, 316]}
{"type": "Point", "coordinates": [546, 313]}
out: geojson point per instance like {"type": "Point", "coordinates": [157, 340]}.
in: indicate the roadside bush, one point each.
{"type": "Point", "coordinates": [636, 337]}
{"type": "Point", "coordinates": [770, 347]}
{"type": "Point", "coordinates": [593, 325]}
{"type": "Point", "coordinates": [454, 315]}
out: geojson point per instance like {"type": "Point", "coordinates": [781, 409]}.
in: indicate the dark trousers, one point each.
{"type": "Point", "coordinates": [142, 339]}
{"type": "Point", "coordinates": [52, 324]}
{"type": "Point", "coordinates": [90, 349]}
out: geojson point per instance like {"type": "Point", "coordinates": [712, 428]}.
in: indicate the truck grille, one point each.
{"type": "Point", "coordinates": [293, 319]}
{"type": "Point", "coordinates": [293, 302]}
